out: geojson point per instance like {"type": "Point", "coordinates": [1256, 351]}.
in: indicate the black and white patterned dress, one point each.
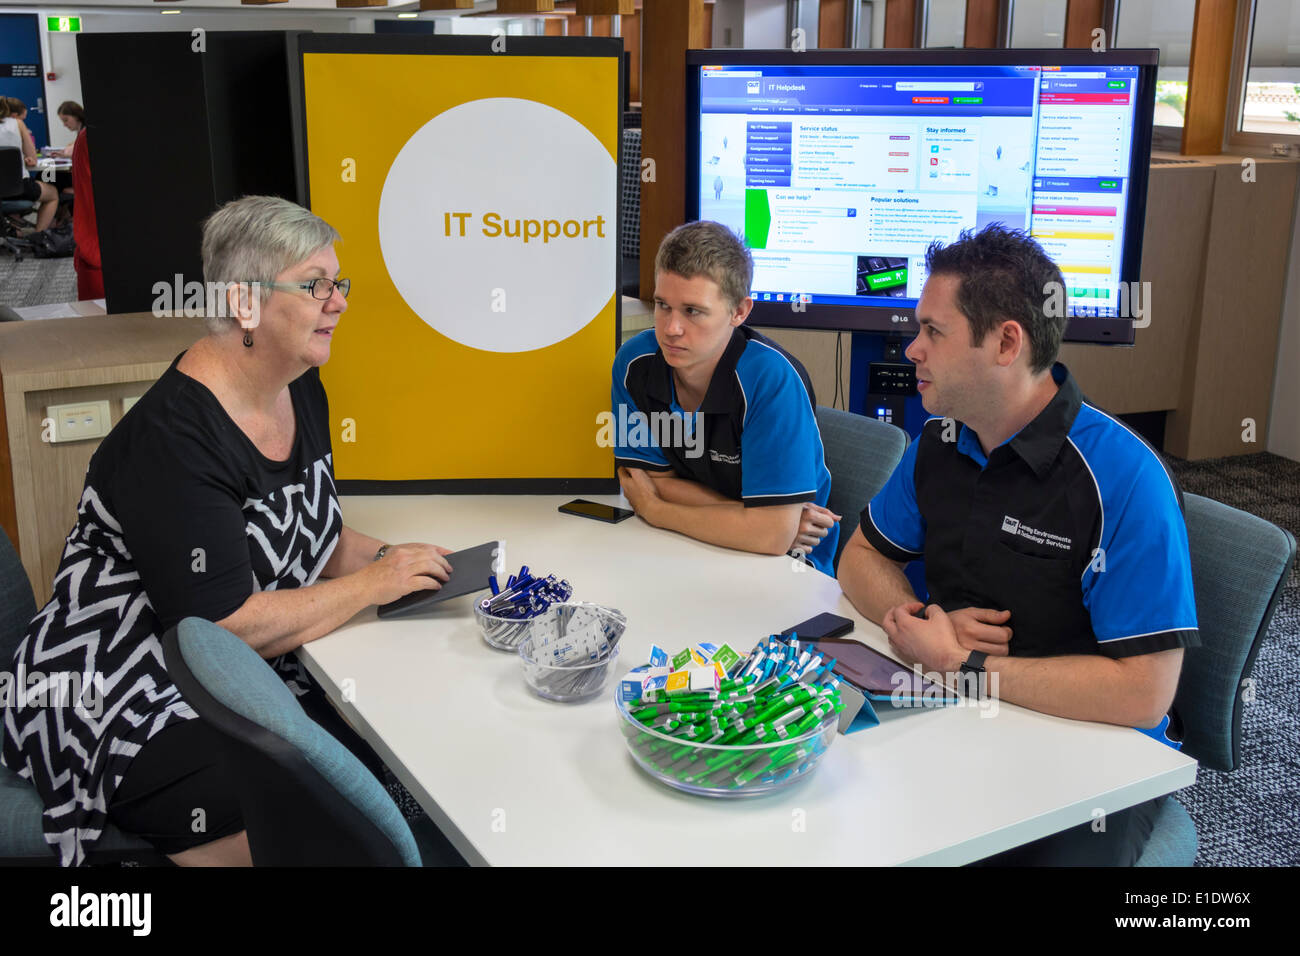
{"type": "Point", "coordinates": [180, 515]}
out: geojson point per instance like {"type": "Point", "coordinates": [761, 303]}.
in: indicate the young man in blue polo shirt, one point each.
{"type": "Point", "coordinates": [1055, 550]}
{"type": "Point", "coordinates": [718, 438]}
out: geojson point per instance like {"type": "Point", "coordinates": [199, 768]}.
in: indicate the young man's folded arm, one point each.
{"type": "Point", "coordinates": [684, 491]}
{"type": "Point", "coordinates": [762, 530]}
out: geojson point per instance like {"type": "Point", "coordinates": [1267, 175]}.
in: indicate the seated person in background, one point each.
{"type": "Point", "coordinates": [73, 118]}
{"type": "Point", "coordinates": [213, 497]}
{"type": "Point", "coordinates": [1055, 549]}
{"type": "Point", "coordinates": [18, 110]}
{"type": "Point", "coordinates": [741, 466]}
{"type": "Point", "coordinates": [15, 135]}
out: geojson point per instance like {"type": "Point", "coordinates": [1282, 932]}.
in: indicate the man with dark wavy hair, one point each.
{"type": "Point", "coordinates": [1055, 550]}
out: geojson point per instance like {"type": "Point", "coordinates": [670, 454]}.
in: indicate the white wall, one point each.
{"type": "Point", "coordinates": [765, 25]}
{"type": "Point", "coordinates": [61, 54]}
{"type": "Point", "coordinates": [483, 26]}
{"type": "Point", "coordinates": [728, 24]}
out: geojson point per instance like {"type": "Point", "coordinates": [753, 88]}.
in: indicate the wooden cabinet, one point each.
{"type": "Point", "coordinates": [55, 362]}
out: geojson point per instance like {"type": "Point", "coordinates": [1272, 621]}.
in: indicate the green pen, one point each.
{"type": "Point", "coordinates": [798, 696]}
{"type": "Point", "coordinates": [683, 751]}
{"type": "Point", "coordinates": [724, 758]}
{"type": "Point", "coordinates": [739, 727]}
{"type": "Point", "coordinates": [799, 754]}
{"type": "Point", "coordinates": [724, 772]}
{"type": "Point", "coordinates": [719, 778]}
{"type": "Point", "coordinates": [807, 724]}
{"type": "Point", "coordinates": [771, 716]}
{"type": "Point", "coordinates": [758, 769]}
{"type": "Point", "coordinates": [681, 765]}
{"type": "Point", "coordinates": [748, 759]}
{"type": "Point", "coordinates": [792, 715]}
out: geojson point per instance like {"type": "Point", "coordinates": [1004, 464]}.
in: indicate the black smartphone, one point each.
{"type": "Point", "coordinates": [823, 625]}
{"type": "Point", "coordinates": [593, 509]}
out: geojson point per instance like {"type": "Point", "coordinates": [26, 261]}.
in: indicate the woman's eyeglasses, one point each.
{"type": "Point", "coordinates": [321, 288]}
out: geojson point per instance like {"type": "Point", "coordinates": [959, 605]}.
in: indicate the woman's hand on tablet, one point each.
{"type": "Point", "coordinates": [405, 568]}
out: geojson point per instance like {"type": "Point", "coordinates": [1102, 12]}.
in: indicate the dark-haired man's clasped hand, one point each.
{"type": "Point", "coordinates": [941, 641]}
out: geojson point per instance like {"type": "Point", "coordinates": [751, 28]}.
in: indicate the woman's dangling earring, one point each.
{"type": "Point", "coordinates": [248, 339]}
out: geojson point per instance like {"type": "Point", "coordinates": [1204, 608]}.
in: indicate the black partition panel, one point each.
{"type": "Point", "coordinates": [180, 124]}
{"type": "Point", "coordinates": [246, 79]}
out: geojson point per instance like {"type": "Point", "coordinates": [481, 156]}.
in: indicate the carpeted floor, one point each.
{"type": "Point", "coordinates": [1251, 817]}
{"type": "Point", "coordinates": [36, 281]}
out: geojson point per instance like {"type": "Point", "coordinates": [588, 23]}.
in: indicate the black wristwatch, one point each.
{"type": "Point", "coordinates": [383, 550]}
{"type": "Point", "coordinates": [975, 663]}
{"type": "Point", "coordinates": [973, 668]}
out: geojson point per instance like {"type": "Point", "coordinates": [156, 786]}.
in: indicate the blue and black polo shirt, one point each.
{"type": "Point", "coordinates": [761, 445]}
{"type": "Point", "coordinates": [1074, 524]}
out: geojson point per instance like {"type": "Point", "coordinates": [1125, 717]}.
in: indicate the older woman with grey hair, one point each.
{"type": "Point", "coordinates": [213, 497]}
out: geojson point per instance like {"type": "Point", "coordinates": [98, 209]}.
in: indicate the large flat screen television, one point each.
{"type": "Point", "coordinates": [839, 167]}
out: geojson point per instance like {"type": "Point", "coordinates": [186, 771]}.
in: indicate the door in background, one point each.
{"type": "Point", "coordinates": [22, 74]}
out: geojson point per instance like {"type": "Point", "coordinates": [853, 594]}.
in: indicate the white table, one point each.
{"type": "Point", "coordinates": [516, 780]}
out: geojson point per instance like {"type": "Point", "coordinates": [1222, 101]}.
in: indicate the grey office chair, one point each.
{"type": "Point", "coordinates": [861, 454]}
{"type": "Point", "coordinates": [1240, 564]}
{"type": "Point", "coordinates": [306, 799]}
{"type": "Point", "coordinates": [22, 841]}
{"type": "Point", "coordinates": [629, 238]}
{"type": "Point", "coordinates": [11, 184]}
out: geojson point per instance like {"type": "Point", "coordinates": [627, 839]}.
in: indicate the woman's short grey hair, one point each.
{"type": "Point", "coordinates": [254, 239]}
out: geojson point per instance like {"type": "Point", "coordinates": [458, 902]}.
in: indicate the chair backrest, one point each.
{"type": "Point", "coordinates": [629, 240]}
{"type": "Point", "coordinates": [1240, 564]}
{"type": "Point", "coordinates": [11, 171]}
{"type": "Point", "coordinates": [17, 604]}
{"type": "Point", "coordinates": [861, 454]}
{"type": "Point", "coordinates": [306, 799]}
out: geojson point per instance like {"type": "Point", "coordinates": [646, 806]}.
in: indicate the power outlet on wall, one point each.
{"type": "Point", "coordinates": [79, 421]}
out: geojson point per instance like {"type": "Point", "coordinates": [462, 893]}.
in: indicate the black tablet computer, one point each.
{"type": "Point", "coordinates": [877, 676]}
{"type": "Point", "coordinates": [469, 573]}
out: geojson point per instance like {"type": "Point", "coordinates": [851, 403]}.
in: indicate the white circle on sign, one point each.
{"type": "Point", "coordinates": [520, 161]}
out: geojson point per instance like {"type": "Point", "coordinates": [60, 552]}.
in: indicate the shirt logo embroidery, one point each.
{"type": "Point", "coordinates": [715, 455]}
{"type": "Point", "coordinates": [1013, 526]}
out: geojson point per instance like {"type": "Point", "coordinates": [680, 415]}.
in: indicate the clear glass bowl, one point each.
{"type": "Point", "coordinates": [568, 683]}
{"type": "Point", "coordinates": [502, 633]}
{"type": "Point", "coordinates": [725, 770]}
